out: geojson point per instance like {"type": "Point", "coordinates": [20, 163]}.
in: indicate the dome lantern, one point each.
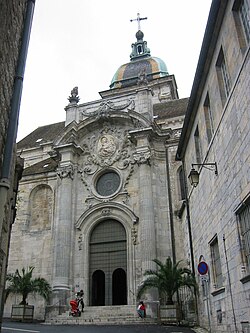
{"type": "Point", "coordinates": [140, 61]}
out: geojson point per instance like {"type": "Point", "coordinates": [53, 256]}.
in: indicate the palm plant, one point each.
{"type": "Point", "coordinates": [23, 284]}
{"type": "Point", "coordinates": [167, 279]}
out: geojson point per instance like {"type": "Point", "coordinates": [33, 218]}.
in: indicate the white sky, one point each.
{"type": "Point", "coordinates": [83, 42]}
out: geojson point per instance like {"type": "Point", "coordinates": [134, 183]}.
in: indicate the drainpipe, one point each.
{"type": "Point", "coordinates": [190, 234]}
{"type": "Point", "coordinates": [188, 219]}
{"type": "Point", "coordinates": [14, 112]}
{"type": "Point", "coordinates": [170, 207]}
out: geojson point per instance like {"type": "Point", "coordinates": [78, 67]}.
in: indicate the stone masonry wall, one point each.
{"type": "Point", "coordinates": [11, 26]}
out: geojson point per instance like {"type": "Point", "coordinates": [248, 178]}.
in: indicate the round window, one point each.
{"type": "Point", "coordinates": [108, 183]}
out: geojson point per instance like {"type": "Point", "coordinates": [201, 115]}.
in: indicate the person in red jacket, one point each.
{"type": "Point", "coordinates": [141, 310]}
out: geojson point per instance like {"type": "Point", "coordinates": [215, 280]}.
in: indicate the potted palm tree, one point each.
{"type": "Point", "coordinates": [22, 283]}
{"type": "Point", "coordinates": [167, 279]}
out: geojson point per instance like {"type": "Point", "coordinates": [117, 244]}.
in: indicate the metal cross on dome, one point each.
{"type": "Point", "coordinates": [138, 19]}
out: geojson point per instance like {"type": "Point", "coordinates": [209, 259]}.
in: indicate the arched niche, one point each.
{"type": "Point", "coordinates": [40, 208]}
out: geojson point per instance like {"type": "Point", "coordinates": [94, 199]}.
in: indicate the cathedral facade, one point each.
{"type": "Point", "coordinates": [106, 191]}
{"type": "Point", "coordinates": [100, 191]}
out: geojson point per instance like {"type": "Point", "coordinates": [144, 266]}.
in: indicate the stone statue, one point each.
{"type": "Point", "coordinates": [142, 77]}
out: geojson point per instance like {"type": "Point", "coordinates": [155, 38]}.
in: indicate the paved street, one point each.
{"type": "Point", "coordinates": [12, 327]}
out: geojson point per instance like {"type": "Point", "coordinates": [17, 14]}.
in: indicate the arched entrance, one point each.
{"type": "Point", "coordinates": [119, 290]}
{"type": "Point", "coordinates": [98, 288]}
{"type": "Point", "coordinates": [108, 264]}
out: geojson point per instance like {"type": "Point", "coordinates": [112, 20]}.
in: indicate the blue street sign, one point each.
{"type": "Point", "coordinates": [203, 268]}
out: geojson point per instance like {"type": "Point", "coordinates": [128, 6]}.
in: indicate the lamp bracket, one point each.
{"type": "Point", "coordinates": [210, 166]}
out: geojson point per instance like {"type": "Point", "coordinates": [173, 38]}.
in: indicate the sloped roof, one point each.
{"type": "Point", "coordinates": [209, 44]}
{"type": "Point", "coordinates": [47, 165]}
{"type": "Point", "coordinates": [171, 109]}
{"type": "Point", "coordinates": [42, 134]}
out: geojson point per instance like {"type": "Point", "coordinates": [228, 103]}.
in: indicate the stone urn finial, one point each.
{"type": "Point", "coordinates": [74, 98]}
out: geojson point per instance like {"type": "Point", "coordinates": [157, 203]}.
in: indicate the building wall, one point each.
{"type": "Point", "coordinates": [214, 202]}
{"type": "Point", "coordinates": [12, 16]}
{"type": "Point", "coordinates": [11, 26]}
{"type": "Point", "coordinates": [72, 192]}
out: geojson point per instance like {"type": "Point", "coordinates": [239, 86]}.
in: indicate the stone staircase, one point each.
{"type": "Point", "coordinates": [102, 315]}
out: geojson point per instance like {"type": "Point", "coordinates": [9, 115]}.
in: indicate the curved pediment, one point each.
{"type": "Point", "coordinates": [109, 210]}
{"type": "Point", "coordinates": [97, 120]}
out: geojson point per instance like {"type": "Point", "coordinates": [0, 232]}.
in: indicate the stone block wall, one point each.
{"type": "Point", "coordinates": [214, 201]}
{"type": "Point", "coordinates": [12, 14]}
{"type": "Point", "coordinates": [11, 25]}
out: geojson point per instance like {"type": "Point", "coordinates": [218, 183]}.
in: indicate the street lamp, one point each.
{"type": "Point", "coordinates": [194, 174]}
{"type": "Point", "coordinates": [193, 177]}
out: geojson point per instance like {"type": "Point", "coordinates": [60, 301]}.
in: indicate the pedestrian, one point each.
{"type": "Point", "coordinates": [141, 310]}
{"type": "Point", "coordinates": [80, 295]}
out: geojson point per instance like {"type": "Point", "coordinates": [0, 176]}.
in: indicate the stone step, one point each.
{"type": "Point", "coordinates": [100, 321]}
{"type": "Point", "coordinates": [101, 315]}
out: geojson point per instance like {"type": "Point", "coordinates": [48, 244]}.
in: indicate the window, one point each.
{"type": "Point", "coordinates": [216, 264]}
{"type": "Point", "coordinates": [223, 77]}
{"type": "Point", "coordinates": [244, 220]}
{"type": "Point", "coordinates": [181, 183]}
{"type": "Point", "coordinates": [242, 19]}
{"type": "Point", "coordinates": [245, 19]}
{"type": "Point", "coordinates": [197, 143]}
{"type": "Point", "coordinates": [208, 118]}
{"type": "Point", "coordinates": [108, 183]}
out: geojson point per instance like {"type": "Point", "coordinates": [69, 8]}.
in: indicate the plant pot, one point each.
{"type": "Point", "coordinates": [169, 313]}
{"type": "Point", "coordinates": [22, 313]}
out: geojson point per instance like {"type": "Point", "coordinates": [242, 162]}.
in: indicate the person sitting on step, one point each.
{"type": "Point", "coordinates": [141, 310]}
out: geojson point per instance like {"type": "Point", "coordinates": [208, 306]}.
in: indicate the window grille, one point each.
{"type": "Point", "coordinates": [244, 219]}
{"type": "Point", "coordinates": [223, 77]}
{"type": "Point", "coordinates": [245, 19]}
{"type": "Point", "coordinates": [216, 263]}
{"type": "Point", "coordinates": [197, 143]}
{"type": "Point", "coordinates": [208, 118]}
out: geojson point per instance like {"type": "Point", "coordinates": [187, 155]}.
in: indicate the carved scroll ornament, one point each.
{"type": "Point", "coordinates": [108, 106]}
{"type": "Point", "coordinates": [66, 172]}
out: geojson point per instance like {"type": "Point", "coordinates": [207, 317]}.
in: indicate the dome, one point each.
{"type": "Point", "coordinates": [127, 74]}
{"type": "Point", "coordinates": [140, 63]}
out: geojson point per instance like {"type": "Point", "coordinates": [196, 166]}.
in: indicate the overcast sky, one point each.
{"type": "Point", "coordinates": [83, 42]}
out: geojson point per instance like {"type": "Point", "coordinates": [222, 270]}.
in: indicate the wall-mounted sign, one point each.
{"type": "Point", "coordinates": [203, 268]}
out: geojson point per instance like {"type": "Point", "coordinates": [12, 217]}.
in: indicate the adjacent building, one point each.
{"type": "Point", "coordinates": [15, 24]}
{"type": "Point", "coordinates": [215, 143]}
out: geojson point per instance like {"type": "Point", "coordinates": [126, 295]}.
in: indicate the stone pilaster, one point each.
{"type": "Point", "coordinates": [63, 231]}
{"type": "Point", "coordinates": [144, 102]}
{"type": "Point", "coordinates": [146, 209]}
